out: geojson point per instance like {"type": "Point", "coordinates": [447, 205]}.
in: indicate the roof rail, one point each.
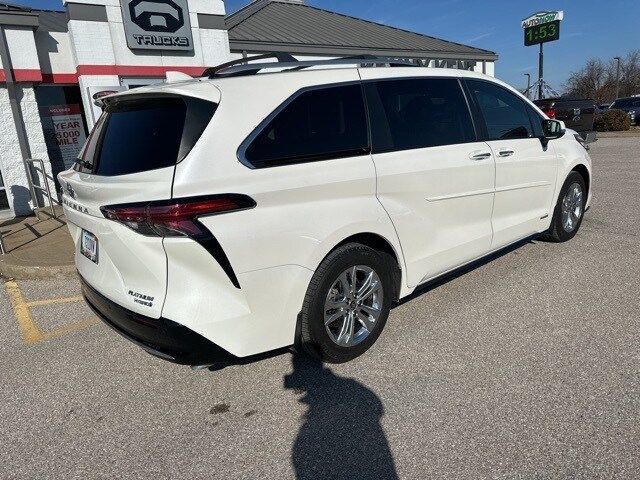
{"type": "Point", "coordinates": [281, 57]}
{"type": "Point", "coordinates": [243, 68]}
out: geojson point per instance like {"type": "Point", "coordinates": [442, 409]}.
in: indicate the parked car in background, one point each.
{"type": "Point", "coordinates": [246, 212]}
{"type": "Point", "coordinates": [630, 105]}
{"type": "Point", "coordinates": [577, 113]}
{"type": "Point", "coordinates": [600, 109]}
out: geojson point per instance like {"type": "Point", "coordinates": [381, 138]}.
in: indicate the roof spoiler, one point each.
{"type": "Point", "coordinates": [173, 76]}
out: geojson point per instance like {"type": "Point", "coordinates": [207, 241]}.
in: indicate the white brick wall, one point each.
{"type": "Point", "coordinates": [22, 48]}
{"type": "Point", "coordinates": [212, 7]}
{"type": "Point", "coordinates": [489, 67]}
{"type": "Point", "coordinates": [91, 43]}
{"type": "Point", "coordinates": [13, 171]}
{"type": "Point", "coordinates": [215, 47]}
{"type": "Point", "coordinates": [54, 52]}
{"type": "Point", "coordinates": [101, 43]}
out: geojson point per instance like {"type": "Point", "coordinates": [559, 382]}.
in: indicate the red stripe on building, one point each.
{"type": "Point", "coordinates": [59, 77]}
{"type": "Point", "coordinates": [23, 75]}
{"type": "Point", "coordinates": [33, 75]}
{"type": "Point", "coordinates": [136, 70]}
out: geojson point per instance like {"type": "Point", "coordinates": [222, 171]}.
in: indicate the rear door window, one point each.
{"type": "Point", "coordinates": [503, 112]}
{"type": "Point", "coordinates": [418, 113]}
{"type": "Point", "coordinates": [318, 124]}
{"type": "Point", "coordinates": [146, 133]}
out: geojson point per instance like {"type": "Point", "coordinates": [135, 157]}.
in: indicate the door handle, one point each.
{"type": "Point", "coordinates": [506, 153]}
{"type": "Point", "coordinates": [479, 155]}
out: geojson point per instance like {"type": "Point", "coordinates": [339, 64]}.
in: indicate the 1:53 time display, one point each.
{"type": "Point", "coordinates": [545, 32]}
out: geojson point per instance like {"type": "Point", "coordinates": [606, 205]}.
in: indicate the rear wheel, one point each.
{"type": "Point", "coordinates": [347, 303]}
{"type": "Point", "coordinates": [569, 211]}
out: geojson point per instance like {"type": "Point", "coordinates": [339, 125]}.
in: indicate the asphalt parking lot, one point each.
{"type": "Point", "coordinates": [527, 366]}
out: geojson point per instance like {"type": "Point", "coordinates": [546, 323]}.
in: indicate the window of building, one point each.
{"type": "Point", "coordinates": [63, 124]}
{"type": "Point", "coordinates": [316, 125]}
{"type": "Point", "coordinates": [418, 113]}
{"type": "Point", "coordinates": [504, 113]}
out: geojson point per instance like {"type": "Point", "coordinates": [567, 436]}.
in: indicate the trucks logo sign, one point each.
{"type": "Point", "coordinates": [157, 24]}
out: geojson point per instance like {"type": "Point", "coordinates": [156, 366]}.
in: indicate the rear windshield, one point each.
{"type": "Point", "coordinates": [626, 103]}
{"type": "Point", "coordinates": [140, 134]}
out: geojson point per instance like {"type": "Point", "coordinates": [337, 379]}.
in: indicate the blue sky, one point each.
{"type": "Point", "coordinates": [591, 28]}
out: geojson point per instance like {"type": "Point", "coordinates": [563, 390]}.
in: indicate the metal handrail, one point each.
{"type": "Point", "coordinates": [3, 250]}
{"type": "Point", "coordinates": [45, 190]}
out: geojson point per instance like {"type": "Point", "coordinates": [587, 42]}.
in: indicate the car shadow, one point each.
{"type": "Point", "coordinates": [444, 279]}
{"type": "Point", "coordinates": [341, 436]}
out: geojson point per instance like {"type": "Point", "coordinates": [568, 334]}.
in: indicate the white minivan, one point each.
{"type": "Point", "coordinates": [274, 205]}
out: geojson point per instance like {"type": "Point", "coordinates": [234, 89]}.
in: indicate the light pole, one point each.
{"type": "Point", "coordinates": [528, 83]}
{"type": "Point", "coordinates": [617, 77]}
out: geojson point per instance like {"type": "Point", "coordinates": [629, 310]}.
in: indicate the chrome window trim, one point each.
{"type": "Point", "coordinates": [242, 149]}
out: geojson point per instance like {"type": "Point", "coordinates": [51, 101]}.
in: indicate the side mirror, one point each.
{"type": "Point", "coordinates": [552, 129]}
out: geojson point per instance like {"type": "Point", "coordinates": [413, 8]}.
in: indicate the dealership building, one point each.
{"type": "Point", "coordinates": [54, 62]}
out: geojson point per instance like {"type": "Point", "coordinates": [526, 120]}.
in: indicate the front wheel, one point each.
{"type": "Point", "coordinates": [347, 303]}
{"type": "Point", "coordinates": [569, 211]}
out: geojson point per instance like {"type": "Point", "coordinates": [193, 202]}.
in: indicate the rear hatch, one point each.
{"type": "Point", "coordinates": [130, 158]}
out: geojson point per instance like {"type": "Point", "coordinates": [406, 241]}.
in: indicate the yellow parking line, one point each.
{"type": "Point", "coordinates": [30, 332]}
{"type": "Point", "coordinates": [70, 328]}
{"type": "Point", "coordinates": [53, 301]}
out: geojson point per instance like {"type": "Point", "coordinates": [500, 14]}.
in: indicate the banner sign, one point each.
{"type": "Point", "coordinates": [157, 24]}
{"type": "Point", "coordinates": [64, 132]}
{"type": "Point", "coordinates": [542, 17]}
{"type": "Point", "coordinates": [542, 27]}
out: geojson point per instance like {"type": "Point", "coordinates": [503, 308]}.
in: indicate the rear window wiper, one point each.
{"type": "Point", "coordinates": [84, 164]}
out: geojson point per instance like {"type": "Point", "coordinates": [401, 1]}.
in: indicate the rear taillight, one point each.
{"type": "Point", "coordinates": [178, 217]}
{"type": "Point", "coordinates": [549, 112]}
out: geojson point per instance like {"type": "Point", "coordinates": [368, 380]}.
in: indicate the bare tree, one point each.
{"type": "Point", "coordinates": [597, 79]}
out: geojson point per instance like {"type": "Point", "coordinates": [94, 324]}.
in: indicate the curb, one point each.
{"type": "Point", "coordinates": [30, 272]}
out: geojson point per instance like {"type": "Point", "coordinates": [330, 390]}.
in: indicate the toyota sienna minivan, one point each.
{"type": "Point", "coordinates": [276, 205]}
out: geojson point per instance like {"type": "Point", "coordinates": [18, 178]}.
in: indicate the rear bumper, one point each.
{"type": "Point", "coordinates": [160, 337]}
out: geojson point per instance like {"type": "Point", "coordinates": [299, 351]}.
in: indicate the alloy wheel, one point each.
{"type": "Point", "coordinates": [572, 207]}
{"type": "Point", "coordinates": [353, 305]}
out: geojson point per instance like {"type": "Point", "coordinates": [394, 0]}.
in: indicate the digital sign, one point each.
{"type": "Point", "coordinates": [542, 27]}
{"type": "Point", "coordinates": [542, 33]}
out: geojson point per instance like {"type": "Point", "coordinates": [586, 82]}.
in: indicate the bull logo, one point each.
{"type": "Point", "coordinates": [156, 15]}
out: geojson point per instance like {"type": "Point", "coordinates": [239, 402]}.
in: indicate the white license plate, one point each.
{"type": "Point", "coordinates": [89, 246]}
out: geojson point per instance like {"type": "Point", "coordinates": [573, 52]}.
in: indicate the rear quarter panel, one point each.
{"type": "Point", "coordinates": [303, 210]}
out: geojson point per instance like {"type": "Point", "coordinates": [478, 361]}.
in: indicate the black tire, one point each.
{"type": "Point", "coordinates": [557, 233]}
{"type": "Point", "coordinates": [314, 338]}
